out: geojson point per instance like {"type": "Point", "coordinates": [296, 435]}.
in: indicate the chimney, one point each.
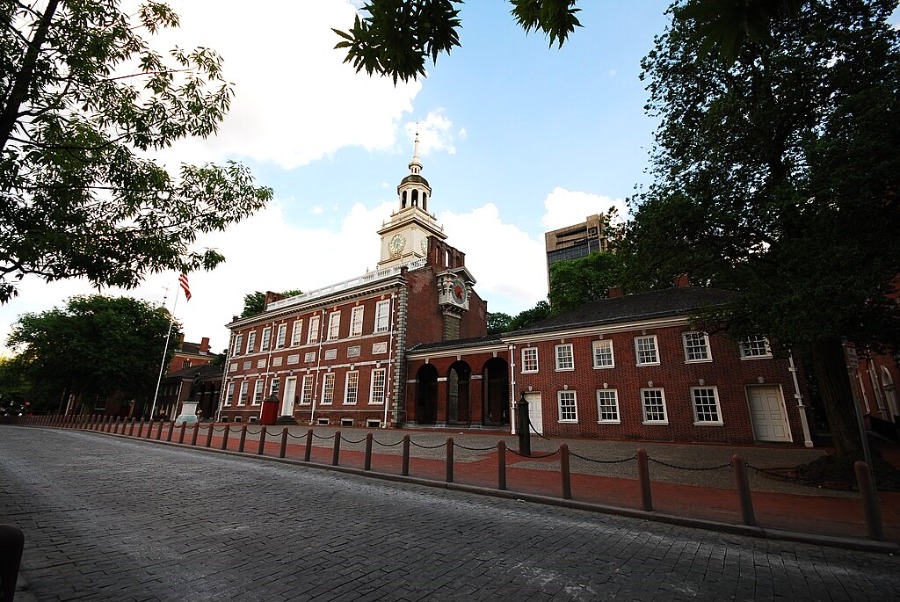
{"type": "Point", "coordinates": [615, 292]}
{"type": "Point", "coordinates": [204, 345]}
{"type": "Point", "coordinates": [683, 281]}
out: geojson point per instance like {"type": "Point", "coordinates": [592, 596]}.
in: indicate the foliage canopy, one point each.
{"type": "Point", "coordinates": [84, 101]}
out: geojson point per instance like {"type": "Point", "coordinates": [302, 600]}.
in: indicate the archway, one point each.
{"type": "Point", "coordinates": [496, 392]}
{"type": "Point", "coordinates": [458, 393]}
{"type": "Point", "coordinates": [426, 394]}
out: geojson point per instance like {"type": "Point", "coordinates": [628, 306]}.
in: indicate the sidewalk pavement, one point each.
{"type": "Point", "coordinates": [691, 484]}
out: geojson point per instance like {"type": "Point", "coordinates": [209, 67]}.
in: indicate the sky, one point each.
{"type": "Point", "coordinates": [516, 138]}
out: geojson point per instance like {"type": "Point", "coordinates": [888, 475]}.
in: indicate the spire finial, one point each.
{"type": "Point", "coordinates": [416, 147]}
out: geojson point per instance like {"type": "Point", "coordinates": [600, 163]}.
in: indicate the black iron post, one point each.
{"type": "Point", "coordinates": [523, 426]}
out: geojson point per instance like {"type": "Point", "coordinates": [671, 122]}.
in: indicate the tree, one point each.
{"type": "Point", "coordinates": [255, 302]}
{"type": "Point", "coordinates": [84, 101]}
{"type": "Point", "coordinates": [397, 37]}
{"type": "Point", "coordinates": [498, 322]}
{"type": "Point", "coordinates": [540, 311]}
{"type": "Point", "coordinates": [94, 347]}
{"type": "Point", "coordinates": [578, 281]}
{"type": "Point", "coordinates": [777, 176]}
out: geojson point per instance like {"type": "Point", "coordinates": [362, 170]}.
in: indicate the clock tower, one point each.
{"type": "Point", "coordinates": [404, 237]}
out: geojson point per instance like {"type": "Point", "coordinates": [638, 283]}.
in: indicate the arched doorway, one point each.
{"type": "Point", "coordinates": [426, 394]}
{"type": "Point", "coordinates": [458, 393]}
{"type": "Point", "coordinates": [496, 392]}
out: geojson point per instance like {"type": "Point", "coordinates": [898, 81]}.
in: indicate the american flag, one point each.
{"type": "Point", "coordinates": [183, 281]}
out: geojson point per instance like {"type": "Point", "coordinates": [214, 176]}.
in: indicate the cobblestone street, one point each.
{"type": "Point", "coordinates": [115, 519]}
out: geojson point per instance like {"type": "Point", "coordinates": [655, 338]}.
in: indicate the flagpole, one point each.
{"type": "Point", "coordinates": [162, 366]}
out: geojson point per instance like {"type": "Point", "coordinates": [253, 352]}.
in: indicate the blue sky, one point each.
{"type": "Point", "coordinates": [517, 138]}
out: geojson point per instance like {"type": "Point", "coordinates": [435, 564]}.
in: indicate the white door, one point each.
{"type": "Point", "coordinates": [768, 414]}
{"type": "Point", "coordinates": [534, 411]}
{"type": "Point", "coordinates": [290, 389]}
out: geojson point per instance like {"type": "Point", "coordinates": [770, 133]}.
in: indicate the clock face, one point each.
{"type": "Point", "coordinates": [396, 245]}
{"type": "Point", "coordinates": [459, 291]}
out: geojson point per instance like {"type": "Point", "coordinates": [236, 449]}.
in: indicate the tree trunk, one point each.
{"type": "Point", "coordinates": [830, 369]}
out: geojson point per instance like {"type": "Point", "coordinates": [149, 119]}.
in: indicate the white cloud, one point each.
{"type": "Point", "coordinates": [510, 267]}
{"type": "Point", "coordinates": [565, 207]}
{"type": "Point", "coordinates": [435, 133]}
{"type": "Point", "coordinates": [295, 101]}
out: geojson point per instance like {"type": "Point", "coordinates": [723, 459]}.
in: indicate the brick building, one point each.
{"type": "Point", "coordinates": [187, 355]}
{"type": "Point", "coordinates": [337, 355]}
{"type": "Point", "coordinates": [629, 367]}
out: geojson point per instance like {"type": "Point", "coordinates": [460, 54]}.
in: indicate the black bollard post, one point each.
{"type": "Point", "coordinates": [501, 465]}
{"type": "Point", "coordinates": [450, 459]}
{"type": "Point", "coordinates": [209, 435]}
{"type": "Point", "coordinates": [523, 425]}
{"type": "Point", "coordinates": [870, 500]}
{"type": "Point", "coordinates": [225, 437]}
{"type": "Point", "coordinates": [743, 487]}
{"type": "Point", "coordinates": [405, 469]}
{"type": "Point", "coordinates": [12, 542]}
{"type": "Point", "coordinates": [283, 451]}
{"type": "Point", "coordinates": [337, 448]}
{"type": "Point", "coordinates": [367, 465]}
{"type": "Point", "coordinates": [565, 471]}
{"type": "Point", "coordinates": [307, 453]}
{"type": "Point", "coordinates": [243, 438]}
{"type": "Point", "coordinates": [262, 440]}
{"type": "Point", "coordinates": [644, 478]}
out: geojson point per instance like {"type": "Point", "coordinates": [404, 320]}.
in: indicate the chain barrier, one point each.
{"type": "Point", "coordinates": [622, 461]}
{"type": "Point", "coordinates": [693, 468]}
{"type": "Point", "coordinates": [322, 438]}
{"type": "Point", "coordinates": [350, 441]}
{"type": "Point", "coordinates": [479, 449]}
{"type": "Point", "coordinates": [532, 456]}
{"type": "Point", "coordinates": [292, 436]}
{"type": "Point", "coordinates": [249, 432]}
{"type": "Point", "coordinates": [377, 442]}
{"type": "Point", "coordinates": [438, 446]}
{"type": "Point", "coordinates": [222, 430]}
{"type": "Point", "coordinates": [535, 431]}
{"type": "Point", "coordinates": [777, 475]}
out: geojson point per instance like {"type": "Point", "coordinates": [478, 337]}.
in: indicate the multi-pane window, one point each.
{"type": "Point", "coordinates": [645, 350]}
{"type": "Point", "coordinates": [328, 388]}
{"type": "Point", "coordinates": [706, 405]}
{"type": "Point", "coordinates": [266, 339]}
{"type": "Point", "coordinates": [273, 387]}
{"type": "Point", "coordinates": [755, 346]}
{"type": "Point", "coordinates": [251, 342]}
{"type": "Point", "coordinates": [306, 390]}
{"type": "Point", "coordinates": [603, 354]}
{"type": "Point", "coordinates": [295, 332]}
{"type": "Point", "coordinates": [653, 403]}
{"type": "Point", "coordinates": [334, 325]}
{"type": "Point", "coordinates": [351, 388]}
{"type": "Point", "coordinates": [530, 359]}
{"type": "Point", "coordinates": [238, 341]}
{"type": "Point", "coordinates": [376, 394]}
{"type": "Point", "coordinates": [564, 359]}
{"type": "Point", "coordinates": [245, 386]}
{"type": "Point", "coordinates": [607, 405]}
{"type": "Point", "coordinates": [313, 335]}
{"type": "Point", "coordinates": [382, 315]}
{"type": "Point", "coordinates": [356, 321]}
{"type": "Point", "coordinates": [696, 347]}
{"type": "Point", "coordinates": [229, 394]}
{"type": "Point", "coordinates": [282, 336]}
{"type": "Point", "coordinates": [568, 407]}
{"type": "Point", "coordinates": [257, 392]}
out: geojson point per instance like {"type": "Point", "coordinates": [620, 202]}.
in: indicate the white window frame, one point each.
{"type": "Point", "coordinates": [561, 365]}
{"type": "Point", "coordinates": [382, 316]}
{"type": "Point", "coordinates": [229, 393]}
{"type": "Point", "coordinates": [257, 392]}
{"type": "Point", "coordinates": [281, 337]}
{"type": "Point", "coordinates": [641, 350]}
{"type": "Point", "coordinates": [602, 349]}
{"type": "Point", "coordinates": [530, 363]}
{"type": "Point", "coordinates": [378, 387]}
{"type": "Point", "coordinates": [694, 352]}
{"type": "Point", "coordinates": [266, 339]}
{"type": "Point", "coordinates": [313, 335]}
{"type": "Point", "coordinates": [754, 347]}
{"type": "Point", "coordinates": [295, 333]}
{"type": "Point", "coordinates": [251, 341]}
{"type": "Point", "coordinates": [306, 389]}
{"type": "Point", "coordinates": [238, 341]}
{"type": "Point", "coordinates": [715, 406]}
{"type": "Point", "coordinates": [611, 396]}
{"type": "Point", "coordinates": [242, 396]}
{"type": "Point", "coordinates": [334, 326]}
{"type": "Point", "coordinates": [650, 394]}
{"type": "Point", "coordinates": [356, 320]}
{"type": "Point", "coordinates": [351, 388]}
{"type": "Point", "coordinates": [328, 388]}
{"type": "Point", "coordinates": [273, 386]}
{"type": "Point", "coordinates": [567, 404]}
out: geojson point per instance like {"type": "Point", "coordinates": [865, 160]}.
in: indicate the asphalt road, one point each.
{"type": "Point", "coordinates": [114, 519]}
